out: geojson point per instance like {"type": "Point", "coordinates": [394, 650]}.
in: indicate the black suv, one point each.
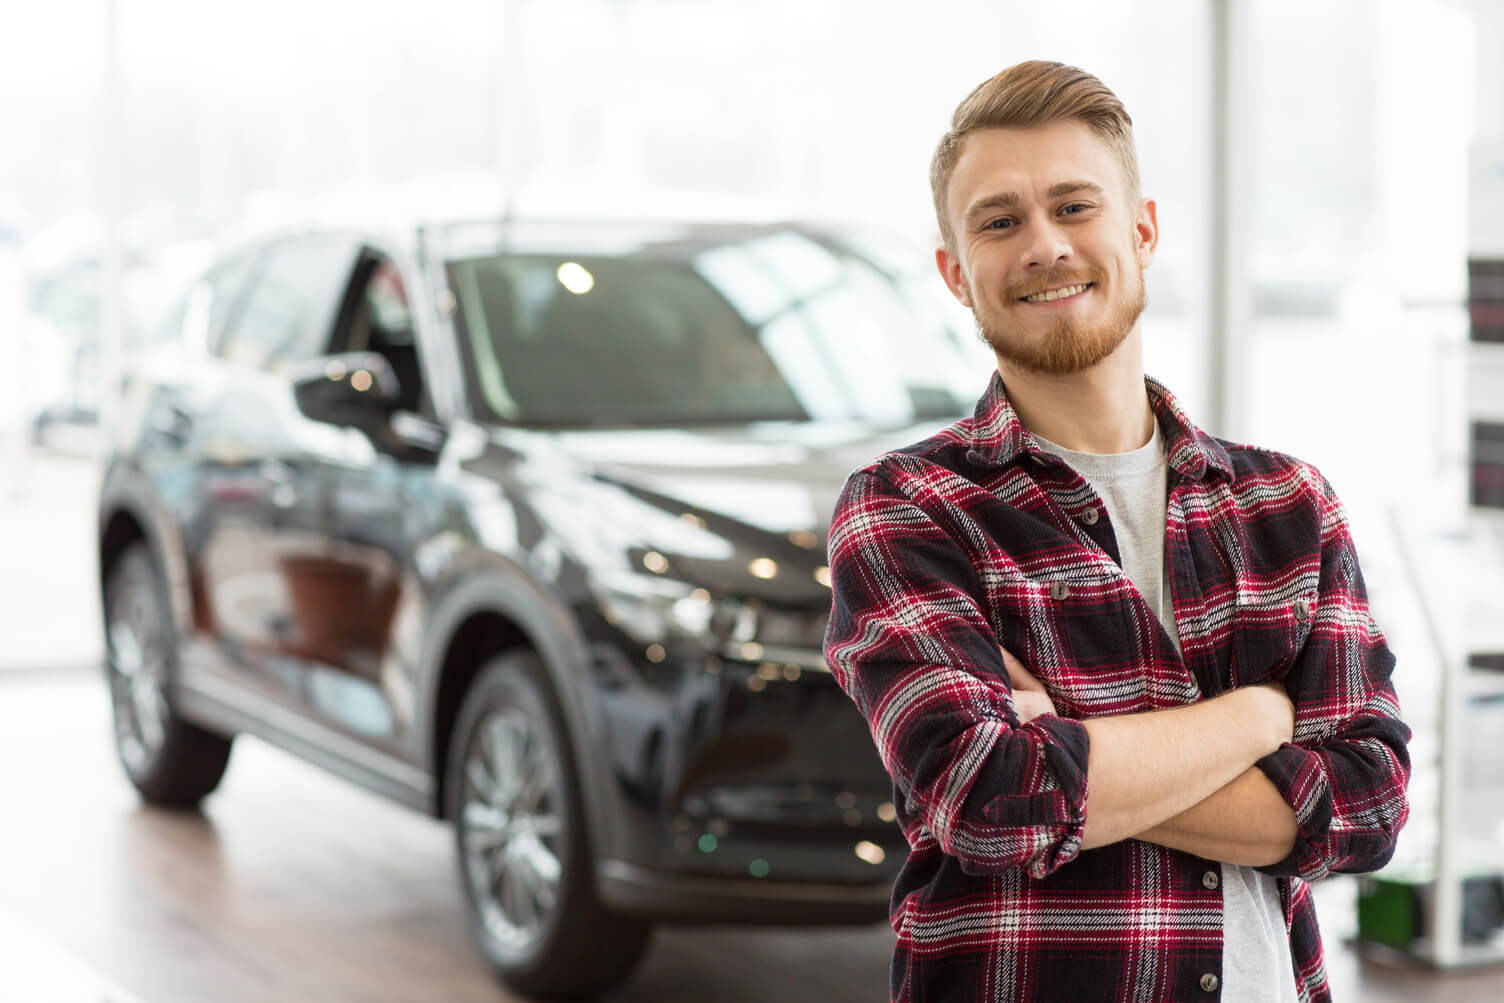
{"type": "Point", "coordinates": [523, 525]}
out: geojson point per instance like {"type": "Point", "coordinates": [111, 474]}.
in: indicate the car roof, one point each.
{"type": "Point", "coordinates": [660, 239]}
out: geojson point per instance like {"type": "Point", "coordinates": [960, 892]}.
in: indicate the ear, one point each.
{"type": "Point", "coordinates": [953, 274]}
{"type": "Point", "coordinates": [1146, 232]}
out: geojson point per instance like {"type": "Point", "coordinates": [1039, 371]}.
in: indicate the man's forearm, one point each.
{"type": "Point", "coordinates": [1247, 822]}
{"type": "Point", "coordinates": [1144, 769]}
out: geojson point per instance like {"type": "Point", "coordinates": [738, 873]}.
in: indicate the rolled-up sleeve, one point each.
{"type": "Point", "coordinates": [910, 643]}
{"type": "Point", "coordinates": [1346, 771]}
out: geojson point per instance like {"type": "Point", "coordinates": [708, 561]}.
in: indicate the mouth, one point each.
{"type": "Point", "coordinates": [1057, 295]}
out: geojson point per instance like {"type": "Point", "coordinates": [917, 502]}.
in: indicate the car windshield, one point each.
{"type": "Point", "coordinates": [777, 327]}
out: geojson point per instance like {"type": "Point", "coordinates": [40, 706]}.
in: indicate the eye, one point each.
{"type": "Point", "coordinates": [999, 224]}
{"type": "Point", "coordinates": [1074, 208]}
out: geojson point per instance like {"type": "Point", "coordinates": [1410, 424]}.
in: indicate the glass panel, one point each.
{"type": "Point", "coordinates": [285, 315]}
{"type": "Point", "coordinates": [1359, 235]}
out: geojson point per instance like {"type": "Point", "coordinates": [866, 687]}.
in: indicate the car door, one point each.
{"type": "Point", "coordinates": [260, 525]}
{"type": "Point", "coordinates": [356, 603]}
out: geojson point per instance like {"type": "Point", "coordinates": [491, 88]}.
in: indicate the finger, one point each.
{"type": "Point", "coordinates": [1030, 705]}
{"type": "Point", "coordinates": [1022, 678]}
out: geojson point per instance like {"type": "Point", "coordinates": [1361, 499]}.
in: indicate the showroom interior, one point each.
{"type": "Point", "coordinates": [1329, 282]}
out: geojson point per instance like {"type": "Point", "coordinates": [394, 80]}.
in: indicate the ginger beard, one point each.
{"type": "Point", "coordinates": [1068, 345]}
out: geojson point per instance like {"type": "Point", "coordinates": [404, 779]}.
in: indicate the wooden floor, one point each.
{"type": "Point", "coordinates": [294, 886]}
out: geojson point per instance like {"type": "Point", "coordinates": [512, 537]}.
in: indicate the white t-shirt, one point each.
{"type": "Point", "coordinates": [1256, 965]}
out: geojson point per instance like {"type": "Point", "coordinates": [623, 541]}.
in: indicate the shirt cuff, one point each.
{"type": "Point", "coordinates": [1066, 747]}
{"type": "Point", "coordinates": [1301, 780]}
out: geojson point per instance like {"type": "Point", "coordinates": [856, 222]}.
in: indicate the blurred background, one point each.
{"type": "Point", "coordinates": [1315, 166]}
{"type": "Point", "coordinates": [187, 127]}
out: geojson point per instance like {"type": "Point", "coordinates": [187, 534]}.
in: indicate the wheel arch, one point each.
{"type": "Point", "coordinates": [121, 528]}
{"type": "Point", "coordinates": [488, 616]}
{"type": "Point", "coordinates": [130, 512]}
{"type": "Point", "coordinates": [480, 637]}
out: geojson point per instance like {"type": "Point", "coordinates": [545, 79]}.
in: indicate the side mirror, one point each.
{"type": "Point", "coordinates": [358, 389]}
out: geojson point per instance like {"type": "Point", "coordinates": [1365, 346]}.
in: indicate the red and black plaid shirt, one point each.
{"type": "Point", "coordinates": [976, 537]}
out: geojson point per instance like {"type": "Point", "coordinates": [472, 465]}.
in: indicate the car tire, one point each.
{"type": "Point", "coordinates": [521, 843]}
{"type": "Point", "coordinates": [172, 763]}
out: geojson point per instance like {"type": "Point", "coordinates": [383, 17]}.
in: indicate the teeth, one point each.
{"type": "Point", "coordinates": [1055, 294]}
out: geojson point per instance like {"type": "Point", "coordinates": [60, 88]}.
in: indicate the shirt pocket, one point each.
{"type": "Point", "coordinates": [1269, 629]}
{"type": "Point", "coordinates": [1074, 636]}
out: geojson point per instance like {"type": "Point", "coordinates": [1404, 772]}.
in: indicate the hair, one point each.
{"type": "Point", "coordinates": [1027, 96]}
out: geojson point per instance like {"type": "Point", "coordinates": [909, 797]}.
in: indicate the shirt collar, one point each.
{"type": "Point", "coordinates": [998, 437]}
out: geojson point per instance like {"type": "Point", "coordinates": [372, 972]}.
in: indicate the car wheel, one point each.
{"type": "Point", "coordinates": [523, 851]}
{"type": "Point", "coordinates": [171, 762]}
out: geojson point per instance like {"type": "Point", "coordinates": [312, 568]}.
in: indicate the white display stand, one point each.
{"type": "Point", "coordinates": [1458, 574]}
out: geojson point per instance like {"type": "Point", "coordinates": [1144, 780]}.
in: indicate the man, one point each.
{"type": "Point", "coordinates": [1122, 673]}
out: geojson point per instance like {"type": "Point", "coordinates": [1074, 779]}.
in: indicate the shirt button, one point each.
{"type": "Point", "coordinates": [1302, 609]}
{"type": "Point", "coordinates": [1210, 879]}
{"type": "Point", "coordinates": [1059, 591]}
{"type": "Point", "coordinates": [1209, 982]}
{"type": "Point", "coordinates": [1089, 517]}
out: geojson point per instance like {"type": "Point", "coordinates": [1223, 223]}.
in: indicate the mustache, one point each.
{"type": "Point", "coordinates": [1054, 279]}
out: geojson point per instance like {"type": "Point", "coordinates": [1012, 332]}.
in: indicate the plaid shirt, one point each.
{"type": "Point", "coordinates": [976, 537]}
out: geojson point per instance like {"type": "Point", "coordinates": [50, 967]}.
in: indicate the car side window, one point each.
{"type": "Point", "coordinates": [376, 317]}
{"type": "Point", "coordinates": [285, 313]}
{"type": "Point", "coordinates": [226, 284]}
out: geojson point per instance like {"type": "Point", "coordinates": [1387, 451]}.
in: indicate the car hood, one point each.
{"type": "Point", "coordinates": [779, 477]}
{"type": "Point", "coordinates": [722, 505]}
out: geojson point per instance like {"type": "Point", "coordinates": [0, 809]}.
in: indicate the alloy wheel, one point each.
{"type": "Point", "coordinates": [138, 675]}
{"type": "Point", "coordinates": [511, 828]}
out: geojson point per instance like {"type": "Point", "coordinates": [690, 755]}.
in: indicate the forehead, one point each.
{"type": "Point", "coordinates": [1026, 162]}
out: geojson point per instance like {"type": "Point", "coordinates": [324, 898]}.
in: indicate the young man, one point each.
{"type": "Point", "coordinates": [1123, 674]}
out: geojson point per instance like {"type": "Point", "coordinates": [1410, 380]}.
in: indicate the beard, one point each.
{"type": "Point", "coordinates": [1068, 346]}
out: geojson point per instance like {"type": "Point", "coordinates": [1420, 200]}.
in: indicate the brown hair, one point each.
{"type": "Point", "coordinates": [1027, 96]}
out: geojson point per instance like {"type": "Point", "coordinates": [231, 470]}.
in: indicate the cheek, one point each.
{"type": "Point", "coordinates": [986, 285]}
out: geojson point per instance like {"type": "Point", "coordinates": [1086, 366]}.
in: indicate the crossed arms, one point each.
{"type": "Point", "coordinates": [1301, 785]}
{"type": "Point", "coordinates": [1184, 778]}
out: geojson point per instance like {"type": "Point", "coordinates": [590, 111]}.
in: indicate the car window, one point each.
{"type": "Point", "coordinates": [285, 314]}
{"type": "Point", "coordinates": [226, 283]}
{"type": "Point", "coordinates": [377, 318]}
{"type": "Point", "coordinates": [615, 340]}
{"type": "Point", "coordinates": [775, 327]}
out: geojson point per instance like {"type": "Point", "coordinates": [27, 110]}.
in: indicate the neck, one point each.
{"type": "Point", "coordinates": [1104, 409]}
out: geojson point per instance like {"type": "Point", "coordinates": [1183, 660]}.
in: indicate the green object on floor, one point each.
{"type": "Point", "coordinates": [1392, 907]}
{"type": "Point", "coordinates": [1389, 910]}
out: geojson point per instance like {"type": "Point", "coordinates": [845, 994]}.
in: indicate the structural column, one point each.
{"type": "Point", "coordinates": [1228, 301]}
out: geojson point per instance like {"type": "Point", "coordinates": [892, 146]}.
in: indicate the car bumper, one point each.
{"type": "Point", "coordinates": [677, 898]}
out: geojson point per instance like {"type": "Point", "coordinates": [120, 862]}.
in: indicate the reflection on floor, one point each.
{"type": "Point", "coordinates": [36, 968]}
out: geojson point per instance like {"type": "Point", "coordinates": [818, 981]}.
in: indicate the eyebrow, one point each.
{"type": "Point", "coordinates": [1011, 200]}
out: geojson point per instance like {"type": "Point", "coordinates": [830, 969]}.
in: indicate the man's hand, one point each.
{"type": "Point", "coordinates": [1274, 707]}
{"type": "Point", "coordinates": [1030, 698]}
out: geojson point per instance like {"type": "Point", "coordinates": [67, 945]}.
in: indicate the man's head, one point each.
{"type": "Point", "coordinates": [1045, 235]}
{"type": "Point", "coordinates": [1028, 96]}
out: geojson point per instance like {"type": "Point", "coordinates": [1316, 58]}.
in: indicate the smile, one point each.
{"type": "Point", "coordinates": [1051, 295]}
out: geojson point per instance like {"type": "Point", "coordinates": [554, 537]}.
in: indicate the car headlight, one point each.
{"type": "Point", "coordinates": [677, 614]}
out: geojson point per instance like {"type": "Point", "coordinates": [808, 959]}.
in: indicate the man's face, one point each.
{"type": "Point", "coordinates": [1049, 246]}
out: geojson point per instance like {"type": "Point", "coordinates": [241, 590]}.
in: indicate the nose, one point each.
{"type": "Point", "coordinates": [1047, 246]}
